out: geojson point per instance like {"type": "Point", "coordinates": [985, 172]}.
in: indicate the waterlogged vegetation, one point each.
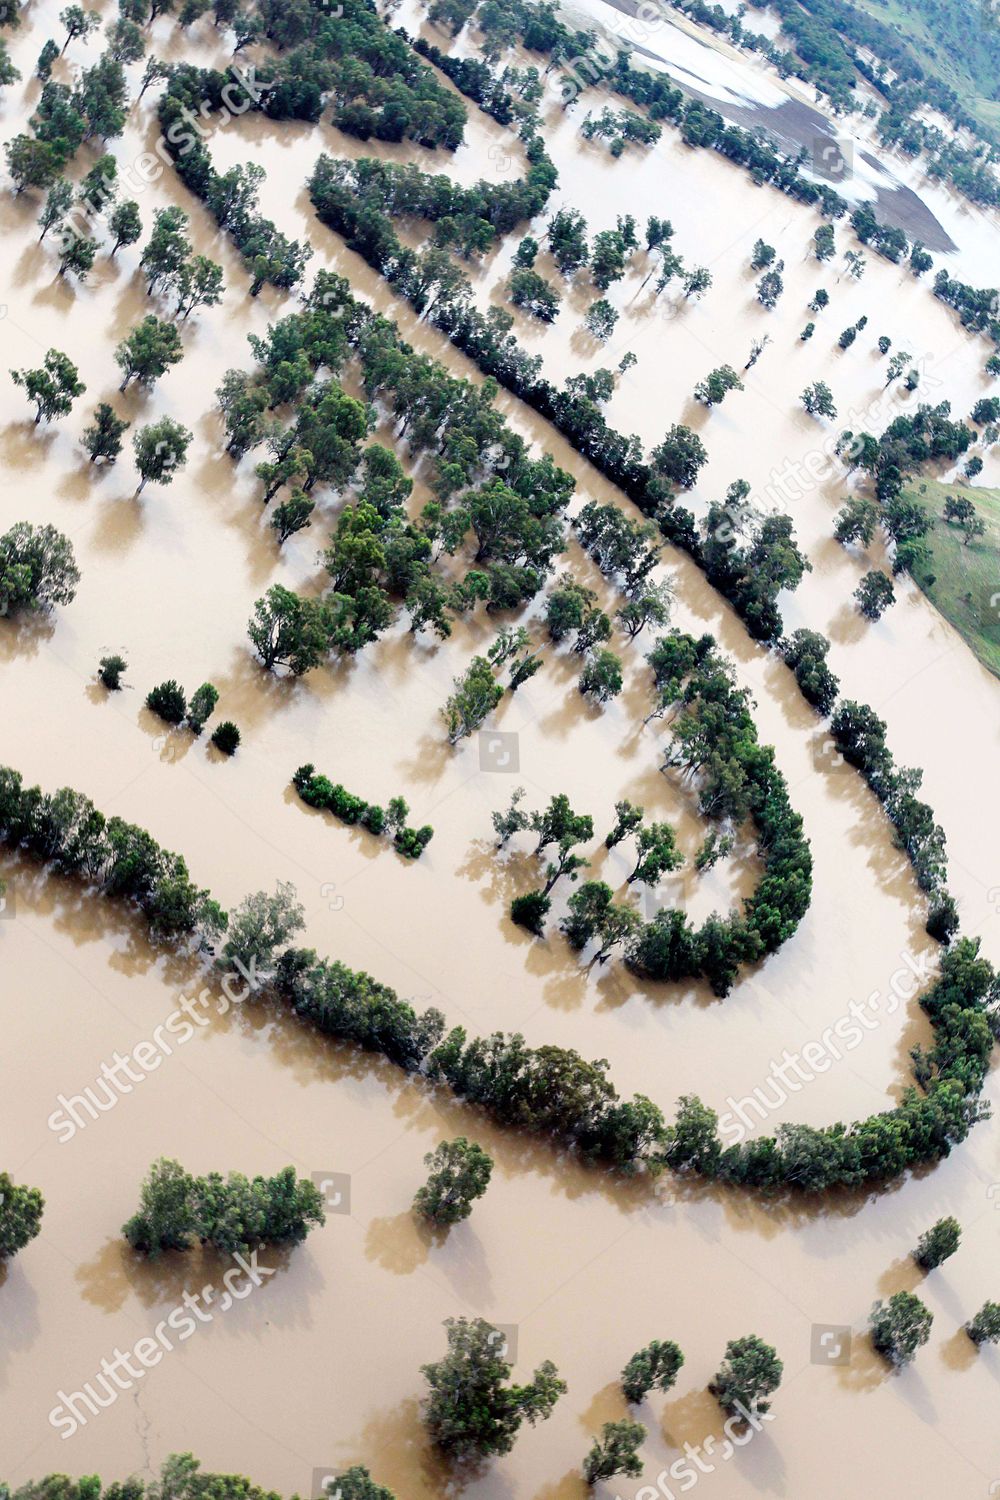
{"type": "Point", "coordinates": [434, 503]}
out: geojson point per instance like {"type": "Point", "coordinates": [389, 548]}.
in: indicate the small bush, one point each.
{"type": "Point", "coordinates": [226, 737]}
{"type": "Point", "coordinates": [530, 911]}
{"type": "Point", "coordinates": [111, 669]}
{"type": "Point", "coordinates": [168, 702]}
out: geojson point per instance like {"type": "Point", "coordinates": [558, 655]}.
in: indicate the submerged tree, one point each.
{"type": "Point", "coordinates": [654, 1368]}
{"type": "Point", "coordinates": [53, 386]}
{"type": "Point", "coordinates": [471, 1411]}
{"type": "Point", "coordinates": [940, 1241]}
{"type": "Point", "coordinates": [616, 1451]}
{"type": "Point", "coordinates": [20, 1216]}
{"type": "Point", "coordinates": [103, 438]}
{"type": "Point", "coordinates": [900, 1327]}
{"type": "Point", "coordinates": [750, 1371]}
{"type": "Point", "coordinates": [460, 1173]}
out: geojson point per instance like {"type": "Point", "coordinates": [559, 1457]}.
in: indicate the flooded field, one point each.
{"type": "Point", "coordinates": [319, 1367]}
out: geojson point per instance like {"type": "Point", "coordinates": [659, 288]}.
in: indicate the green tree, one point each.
{"type": "Point", "coordinates": [600, 320]}
{"type": "Point", "coordinates": [900, 1327]}
{"type": "Point", "coordinates": [77, 255]}
{"type": "Point", "coordinates": [476, 695]}
{"type": "Point", "coordinates": [198, 283]}
{"type": "Point", "coordinates": [513, 820]}
{"type": "Point", "coordinates": [984, 1328]}
{"type": "Point", "coordinates": [260, 927]}
{"type": "Point", "coordinates": [628, 818]}
{"type": "Point", "coordinates": [47, 56]}
{"type": "Point", "coordinates": [658, 854]}
{"type": "Point", "coordinates": [111, 669]}
{"type": "Point", "coordinates": [201, 706]}
{"type": "Point", "coordinates": [148, 352]}
{"type": "Point", "coordinates": [125, 224]}
{"type": "Point", "coordinates": [856, 522]}
{"type": "Point", "coordinates": [78, 22]}
{"type": "Point", "coordinates": [20, 1216]}
{"type": "Point", "coordinates": [471, 1411]}
{"type": "Point", "coordinates": [160, 450]}
{"type": "Point", "coordinates": [289, 630]}
{"type": "Point", "coordinates": [167, 701]}
{"type": "Point", "coordinates": [594, 914]}
{"type": "Point", "coordinates": [103, 438]}
{"type": "Point", "coordinates": [874, 594]}
{"type": "Point", "coordinates": [167, 249]}
{"type": "Point", "coordinates": [530, 911]}
{"type": "Point", "coordinates": [680, 456]}
{"type": "Point", "coordinates": [56, 206]}
{"type": "Point", "coordinates": [940, 1241]}
{"type": "Point", "coordinates": [823, 241]}
{"type": "Point", "coordinates": [53, 387]}
{"type": "Point", "coordinates": [655, 1367]}
{"type": "Point", "coordinates": [165, 1219]}
{"type": "Point", "coordinates": [762, 256]}
{"type": "Point", "coordinates": [37, 568]}
{"type": "Point", "coordinates": [750, 1371]}
{"type": "Point", "coordinates": [460, 1173]}
{"type": "Point", "coordinates": [712, 391]}
{"type": "Point", "coordinates": [818, 400]}
{"type": "Point", "coordinates": [32, 163]}
{"type": "Point", "coordinates": [226, 737]}
{"type": "Point", "coordinates": [616, 1451]}
{"type": "Point", "coordinates": [292, 515]}
{"type": "Point", "coordinates": [601, 678]}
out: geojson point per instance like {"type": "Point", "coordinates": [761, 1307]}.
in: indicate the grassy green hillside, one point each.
{"type": "Point", "coordinates": [966, 579]}
{"type": "Point", "coordinates": [957, 41]}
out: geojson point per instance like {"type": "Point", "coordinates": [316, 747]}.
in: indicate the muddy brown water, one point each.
{"type": "Point", "coordinates": [319, 1367]}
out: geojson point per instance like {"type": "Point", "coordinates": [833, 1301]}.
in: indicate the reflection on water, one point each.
{"type": "Point", "coordinates": [321, 1366]}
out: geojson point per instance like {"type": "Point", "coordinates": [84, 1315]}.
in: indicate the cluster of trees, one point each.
{"type": "Point", "coordinates": [750, 556]}
{"type": "Point", "coordinates": [593, 913]}
{"type": "Point", "coordinates": [962, 1008]}
{"type": "Point", "coordinates": [181, 1478]}
{"type": "Point", "coordinates": [20, 1216]}
{"type": "Point", "coordinates": [170, 703]}
{"type": "Point", "coordinates": [909, 442]}
{"type": "Point", "coordinates": [178, 1210]}
{"type": "Point", "coordinates": [231, 197]}
{"type": "Point", "coordinates": [319, 791]}
{"type": "Point", "coordinates": [619, 128]}
{"type": "Point", "coordinates": [376, 554]}
{"type": "Point", "coordinates": [377, 85]}
{"type": "Point", "coordinates": [37, 569]}
{"type": "Point", "coordinates": [859, 735]}
{"type": "Point", "coordinates": [714, 740]}
{"type": "Point", "coordinates": [95, 109]}
{"type": "Point", "coordinates": [66, 831]}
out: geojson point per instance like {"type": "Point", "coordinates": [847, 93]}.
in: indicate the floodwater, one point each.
{"type": "Point", "coordinates": [319, 1367]}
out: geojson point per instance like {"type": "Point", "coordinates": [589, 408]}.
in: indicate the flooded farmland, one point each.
{"type": "Point", "coordinates": [320, 1367]}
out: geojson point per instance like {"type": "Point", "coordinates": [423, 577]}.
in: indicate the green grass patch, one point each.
{"type": "Point", "coordinates": [963, 581]}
